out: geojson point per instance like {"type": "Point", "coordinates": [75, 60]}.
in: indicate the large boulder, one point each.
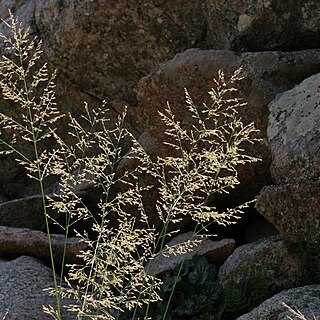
{"type": "Point", "coordinates": [266, 74]}
{"type": "Point", "coordinates": [116, 43]}
{"type": "Point", "coordinates": [22, 284]}
{"type": "Point", "coordinates": [258, 25]}
{"type": "Point", "coordinates": [305, 300]}
{"type": "Point", "coordinates": [268, 265]}
{"type": "Point", "coordinates": [292, 203]}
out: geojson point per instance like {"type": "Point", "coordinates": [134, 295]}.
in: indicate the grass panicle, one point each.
{"type": "Point", "coordinates": [121, 241]}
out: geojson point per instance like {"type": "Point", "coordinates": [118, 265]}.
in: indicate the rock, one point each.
{"type": "Point", "coordinates": [23, 213]}
{"type": "Point", "coordinates": [305, 299]}
{"type": "Point", "coordinates": [14, 183]}
{"type": "Point", "coordinates": [293, 208]}
{"type": "Point", "coordinates": [215, 251]}
{"type": "Point", "coordinates": [294, 135]}
{"type": "Point", "coordinates": [294, 132]}
{"type": "Point", "coordinates": [22, 282]}
{"type": "Point", "coordinates": [273, 262]}
{"type": "Point", "coordinates": [263, 25]}
{"type": "Point", "coordinates": [16, 242]}
{"type": "Point", "coordinates": [116, 43]}
{"type": "Point", "coordinates": [266, 74]}
{"type": "Point", "coordinates": [69, 99]}
{"type": "Point", "coordinates": [24, 9]}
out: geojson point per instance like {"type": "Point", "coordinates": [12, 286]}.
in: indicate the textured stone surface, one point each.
{"type": "Point", "coordinates": [21, 289]}
{"type": "Point", "coordinates": [305, 299]}
{"type": "Point", "coordinates": [275, 258]}
{"type": "Point", "coordinates": [266, 74]}
{"type": "Point", "coordinates": [293, 208]}
{"type": "Point", "coordinates": [215, 251]}
{"type": "Point", "coordinates": [24, 9]}
{"type": "Point", "coordinates": [294, 132]}
{"type": "Point", "coordinates": [15, 242]}
{"type": "Point", "coordinates": [23, 213]}
{"type": "Point", "coordinates": [292, 204]}
{"type": "Point", "coordinates": [257, 25]}
{"type": "Point", "coordinates": [116, 42]}
{"type": "Point", "coordinates": [13, 181]}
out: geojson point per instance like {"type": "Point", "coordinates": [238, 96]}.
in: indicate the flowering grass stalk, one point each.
{"type": "Point", "coordinates": [119, 238]}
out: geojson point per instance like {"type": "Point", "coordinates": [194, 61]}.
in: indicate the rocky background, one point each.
{"type": "Point", "coordinates": [142, 54]}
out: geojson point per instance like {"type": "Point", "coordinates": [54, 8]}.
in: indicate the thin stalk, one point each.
{"type": "Point", "coordinates": [172, 291]}
{"type": "Point", "coordinates": [176, 281]}
{"type": "Point", "coordinates": [43, 197]}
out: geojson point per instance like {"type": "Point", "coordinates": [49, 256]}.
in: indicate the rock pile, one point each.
{"type": "Point", "coordinates": [144, 54]}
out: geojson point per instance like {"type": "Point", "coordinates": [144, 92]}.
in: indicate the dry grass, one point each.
{"type": "Point", "coordinates": [113, 276]}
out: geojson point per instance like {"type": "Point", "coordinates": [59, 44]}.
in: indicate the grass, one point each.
{"type": "Point", "coordinates": [120, 240]}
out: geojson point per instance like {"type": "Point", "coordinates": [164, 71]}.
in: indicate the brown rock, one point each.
{"type": "Point", "coordinates": [13, 182]}
{"type": "Point", "coordinates": [293, 208]}
{"type": "Point", "coordinates": [215, 251]}
{"type": "Point", "coordinates": [258, 25]}
{"type": "Point", "coordinates": [116, 43]}
{"type": "Point", "coordinates": [15, 242]}
{"type": "Point", "coordinates": [266, 74]}
{"type": "Point", "coordinates": [292, 204]}
{"type": "Point", "coordinates": [274, 259]}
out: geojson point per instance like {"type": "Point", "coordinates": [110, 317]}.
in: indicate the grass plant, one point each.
{"type": "Point", "coordinates": [120, 241]}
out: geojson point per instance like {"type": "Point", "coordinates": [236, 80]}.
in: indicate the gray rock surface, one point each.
{"type": "Point", "coordinates": [215, 251]}
{"type": "Point", "coordinates": [274, 261]}
{"type": "Point", "coordinates": [266, 74]}
{"type": "Point", "coordinates": [305, 299]}
{"type": "Point", "coordinates": [22, 282]}
{"type": "Point", "coordinates": [292, 203]}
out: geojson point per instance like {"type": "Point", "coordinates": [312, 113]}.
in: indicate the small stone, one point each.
{"type": "Point", "coordinates": [244, 22]}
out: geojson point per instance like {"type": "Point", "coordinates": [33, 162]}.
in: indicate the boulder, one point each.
{"type": "Point", "coordinates": [304, 299]}
{"type": "Point", "coordinates": [259, 25]}
{"type": "Point", "coordinates": [270, 265]}
{"type": "Point", "coordinates": [22, 282]}
{"type": "Point", "coordinates": [266, 74]}
{"type": "Point", "coordinates": [15, 242]}
{"type": "Point", "coordinates": [116, 42]}
{"type": "Point", "coordinates": [292, 203]}
{"type": "Point", "coordinates": [23, 213]}
{"type": "Point", "coordinates": [294, 132]}
{"type": "Point", "coordinates": [69, 98]}
{"type": "Point", "coordinates": [293, 208]}
{"type": "Point", "coordinates": [215, 251]}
